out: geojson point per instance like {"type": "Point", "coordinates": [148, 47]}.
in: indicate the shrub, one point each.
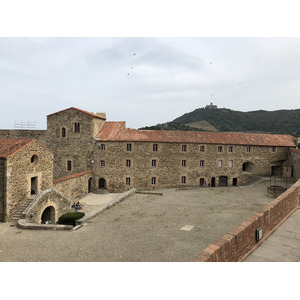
{"type": "Point", "coordinates": [70, 218]}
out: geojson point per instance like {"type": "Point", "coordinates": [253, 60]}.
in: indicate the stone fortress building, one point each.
{"type": "Point", "coordinates": [81, 152]}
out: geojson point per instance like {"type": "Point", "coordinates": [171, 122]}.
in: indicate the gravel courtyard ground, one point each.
{"type": "Point", "coordinates": [142, 227]}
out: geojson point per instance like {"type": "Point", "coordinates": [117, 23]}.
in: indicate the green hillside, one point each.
{"type": "Point", "coordinates": [207, 119]}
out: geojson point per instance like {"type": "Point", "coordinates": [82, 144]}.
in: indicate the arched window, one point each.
{"type": "Point", "coordinates": [63, 132]}
{"type": "Point", "coordinates": [69, 165]}
{"type": "Point", "coordinates": [77, 127]}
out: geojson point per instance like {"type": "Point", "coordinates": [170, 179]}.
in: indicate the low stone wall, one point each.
{"type": "Point", "coordinates": [74, 186]}
{"type": "Point", "coordinates": [238, 243]}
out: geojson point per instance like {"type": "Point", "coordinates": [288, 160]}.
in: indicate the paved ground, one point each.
{"type": "Point", "coordinates": [283, 245]}
{"type": "Point", "coordinates": [141, 228]}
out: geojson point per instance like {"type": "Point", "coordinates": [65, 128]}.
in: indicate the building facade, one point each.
{"type": "Point", "coordinates": [26, 169]}
{"type": "Point", "coordinates": [89, 154]}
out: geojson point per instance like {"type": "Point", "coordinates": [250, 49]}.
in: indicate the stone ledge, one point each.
{"type": "Point", "coordinates": [102, 208]}
{"type": "Point", "coordinates": [25, 225]}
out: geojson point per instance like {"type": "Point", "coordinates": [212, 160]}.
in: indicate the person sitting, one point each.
{"type": "Point", "coordinates": [74, 205]}
{"type": "Point", "coordinates": [78, 206]}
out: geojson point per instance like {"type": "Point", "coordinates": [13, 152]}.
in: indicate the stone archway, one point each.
{"type": "Point", "coordinates": [48, 215]}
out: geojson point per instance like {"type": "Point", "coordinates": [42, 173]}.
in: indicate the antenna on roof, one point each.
{"type": "Point", "coordinates": [25, 125]}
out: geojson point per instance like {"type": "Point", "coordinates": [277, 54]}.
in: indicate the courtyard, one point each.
{"type": "Point", "coordinates": [174, 227]}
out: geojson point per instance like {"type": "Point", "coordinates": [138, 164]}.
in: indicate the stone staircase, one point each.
{"type": "Point", "coordinates": [18, 213]}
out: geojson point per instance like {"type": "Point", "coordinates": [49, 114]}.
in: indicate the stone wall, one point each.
{"type": "Point", "coordinates": [236, 244]}
{"type": "Point", "coordinates": [50, 198]}
{"type": "Point", "coordinates": [74, 145]}
{"type": "Point", "coordinates": [294, 158]}
{"type": "Point", "coordinates": [22, 168]}
{"type": "Point", "coordinates": [74, 186]}
{"type": "Point", "coordinates": [110, 164]}
{"type": "Point", "coordinates": [40, 135]}
{"type": "Point", "coordinates": [2, 162]}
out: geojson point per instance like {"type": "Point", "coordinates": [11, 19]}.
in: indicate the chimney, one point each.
{"type": "Point", "coordinates": [101, 114]}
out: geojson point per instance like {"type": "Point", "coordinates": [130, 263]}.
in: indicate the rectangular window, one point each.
{"type": "Point", "coordinates": [248, 149]}
{"type": "Point", "coordinates": [230, 149]}
{"type": "Point", "coordinates": [128, 147]}
{"type": "Point", "coordinates": [102, 147]}
{"type": "Point", "coordinates": [153, 162]}
{"type": "Point", "coordinates": [202, 148]}
{"type": "Point", "coordinates": [128, 181]}
{"type": "Point", "coordinates": [230, 163]}
{"type": "Point", "coordinates": [220, 148]}
{"type": "Point", "coordinates": [183, 163]}
{"type": "Point", "coordinates": [219, 163]}
{"type": "Point", "coordinates": [153, 180]}
{"type": "Point", "coordinates": [183, 148]}
{"type": "Point", "coordinates": [128, 163]}
{"type": "Point", "coordinates": [69, 165]}
{"type": "Point", "coordinates": [102, 163]}
{"type": "Point", "coordinates": [155, 147]}
{"type": "Point", "coordinates": [201, 163]}
{"type": "Point", "coordinates": [183, 179]}
{"type": "Point", "coordinates": [273, 149]}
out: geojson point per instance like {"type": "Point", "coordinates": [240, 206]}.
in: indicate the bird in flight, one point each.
{"type": "Point", "coordinates": [134, 54]}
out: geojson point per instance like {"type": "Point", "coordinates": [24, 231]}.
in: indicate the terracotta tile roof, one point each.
{"type": "Point", "coordinates": [116, 131]}
{"type": "Point", "coordinates": [10, 147]}
{"type": "Point", "coordinates": [296, 151]}
{"type": "Point", "coordinates": [83, 111]}
{"type": "Point", "coordinates": [72, 176]}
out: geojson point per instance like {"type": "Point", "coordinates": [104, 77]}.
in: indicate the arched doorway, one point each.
{"type": "Point", "coordinates": [90, 185]}
{"type": "Point", "coordinates": [48, 215]}
{"type": "Point", "coordinates": [223, 181]}
{"type": "Point", "coordinates": [102, 183]}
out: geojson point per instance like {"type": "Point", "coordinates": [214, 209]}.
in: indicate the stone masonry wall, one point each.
{"type": "Point", "coordinates": [75, 146]}
{"type": "Point", "coordinates": [20, 170]}
{"type": "Point", "coordinates": [294, 158]}
{"type": "Point", "coordinates": [1, 188]}
{"type": "Point", "coordinates": [235, 245]}
{"type": "Point", "coordinates": [75, 186]}
{"type": "Point", "coordinates": [40, 135]}
{"type": "Point", "coordinates": [169, 167]}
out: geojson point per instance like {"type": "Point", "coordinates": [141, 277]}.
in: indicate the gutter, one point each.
{"type": "Point", "coordinates": [4, 190]}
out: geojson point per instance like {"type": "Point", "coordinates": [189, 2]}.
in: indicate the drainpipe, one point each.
{"type": "Point", "coordinates": [4, 190]}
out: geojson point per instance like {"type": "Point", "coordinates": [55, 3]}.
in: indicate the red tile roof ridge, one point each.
{"type": "Point", "coordinates": [9, 147]}
{"type": "Point", "coordinates": [81, 110]}
{"type": "Point", "coordinates": [115, 132]}
{"type": "Point", "coordinates": [72, 176]}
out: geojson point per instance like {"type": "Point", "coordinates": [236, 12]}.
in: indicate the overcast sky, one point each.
{"type": "Point", "coordinates": [145, 81]}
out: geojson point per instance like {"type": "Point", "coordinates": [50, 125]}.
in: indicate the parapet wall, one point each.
{"type": "Point", "coordinates": [236, 244]}
{"type": "Point", "coordinates": [74, 186]}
